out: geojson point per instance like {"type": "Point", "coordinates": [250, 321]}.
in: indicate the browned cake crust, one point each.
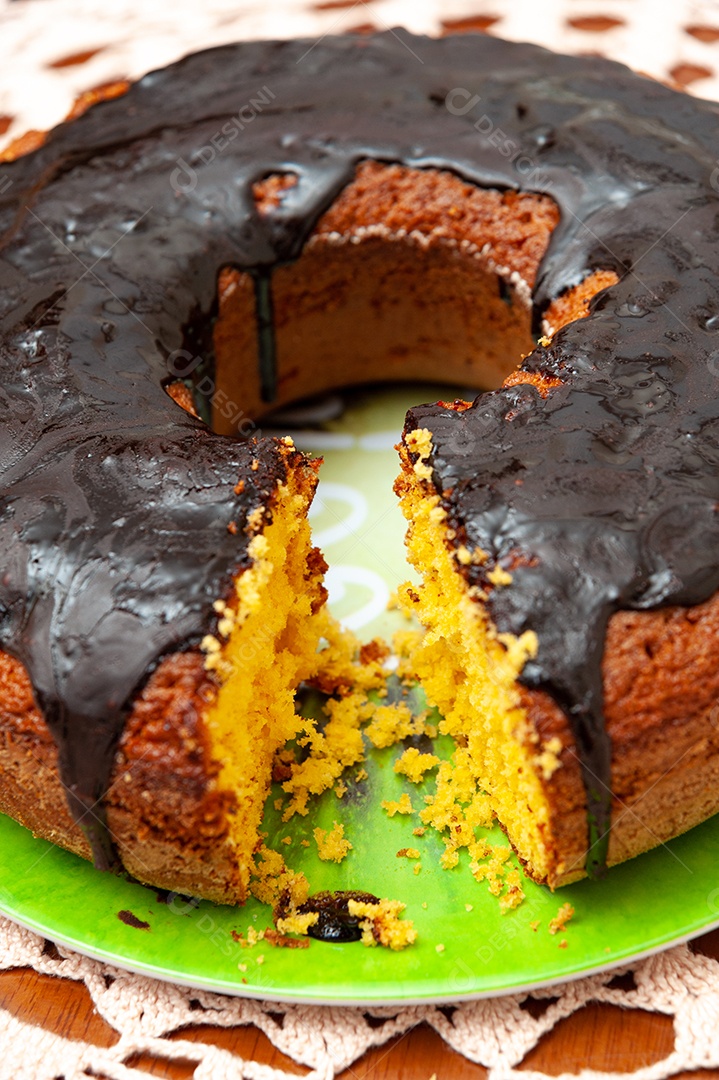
{"type": "Point", "coordinates": [165, 814]}
{"type": "Point", "coordinates": [661, 687]}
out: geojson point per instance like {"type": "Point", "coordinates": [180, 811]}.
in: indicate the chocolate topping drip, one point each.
{"type": "Point", "coordinates": [115, 504]}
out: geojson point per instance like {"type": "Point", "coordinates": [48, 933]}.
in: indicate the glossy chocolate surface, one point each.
{"type": "Point", "coordinates": [334, 922]}
{"type": "Point", "coordinates": [115, 503]}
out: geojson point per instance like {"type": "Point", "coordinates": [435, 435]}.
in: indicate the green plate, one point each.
{"type": "Point", "coordinates": [659, 899]}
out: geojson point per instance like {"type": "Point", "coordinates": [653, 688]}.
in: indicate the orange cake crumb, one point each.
{"type": "Point", "coordinates": [295, 923]}
{"type": "Point", "coordinates": [381, 924]}
{"type": "Point", "coordinates": [414, 765]}
{"type": "Point", "coordinates": [403, 805]}
{"type": "Point", "coordinates": [390, 723]}
{"type": "Point", "coordinates": [331, 752]}
{"type": "Point", "coordinates": [271, 878]}
{"type": "Point", "coordinates": [560, 920]}
{"type": "Point", "coordinates": [331, 845]}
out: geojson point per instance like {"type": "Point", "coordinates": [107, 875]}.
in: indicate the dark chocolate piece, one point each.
{"type": "Point", "coordinates": [335, 922]}
{"type": "Point", "coordinates": [115, 504]}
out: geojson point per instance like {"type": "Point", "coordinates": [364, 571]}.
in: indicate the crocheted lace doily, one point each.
{"type": "Point", "coordinates": [52, 51]}
{"type": "Point", "coordinates": [494, 1032]}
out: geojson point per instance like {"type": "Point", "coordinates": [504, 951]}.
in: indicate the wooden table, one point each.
{"type": "Point", "coordinates": [600, 1037]}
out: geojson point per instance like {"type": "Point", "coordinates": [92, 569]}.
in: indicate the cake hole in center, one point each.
{"type": "Point", "coordinates": [411, 275]}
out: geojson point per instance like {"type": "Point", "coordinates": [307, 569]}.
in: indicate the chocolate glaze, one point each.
{"type": "Point", "coordinates": [130, 919]}
{"type": "Point", "coordinates": [115, 504]}
{"type": "Point", "coordinates": [335, 922]}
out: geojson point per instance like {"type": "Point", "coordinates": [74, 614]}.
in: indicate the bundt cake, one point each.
{"type": "Point", "coordinates": [175, 262]}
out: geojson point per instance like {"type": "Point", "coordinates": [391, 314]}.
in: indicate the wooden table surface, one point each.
{"type": "Point", "coordinates": [599, 1037]}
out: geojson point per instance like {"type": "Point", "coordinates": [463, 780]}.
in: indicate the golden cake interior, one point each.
{"type": "Point", "coordinates": [408, 274]}
{"type": "Point", "coordinates": [470, 672]}
{"type": "Point", "coordinates": [266, 644]}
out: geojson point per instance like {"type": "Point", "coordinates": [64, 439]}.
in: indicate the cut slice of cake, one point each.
{"type": "Point", "coordinates": [193, 766]}
{"type": "Point", "coordinates": [519, 741]}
